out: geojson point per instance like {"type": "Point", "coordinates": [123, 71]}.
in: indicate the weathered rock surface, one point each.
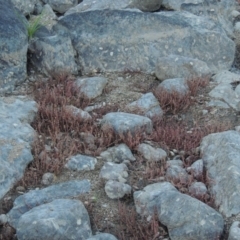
{"type": "Point", "coordinates": [116, 190]}
{"type": "Point", "coordinates": [218, 11]}
{"type": "Point", "coordinates": [234, 232]}
{"type": "Point", "coordinates": [175, 66]}
{"type": "Point", "coordinates": [51, 52]}
{"type": "Point", "coordinates": [148, 106]}
{"type": "Point", "coordinates": [14, 45]}
{"type": "Point", "coordinates": [125, 122]}
{"type": "Point", "coordinates": [114, 171]}
{"type": "Point", "coordinates": [223, 168]}
{"type": "Point", "coordinates": [91, 87]}
{"type": "Point", "coordinates": [150, 153]}
{"type": "Point", "coordinates": [178, 85]}
{"type": "Point", "coordinates": [81, 163]}
{"type": "Point", "coordinates": [33, 198]}
{"type": "Point", "coordinates": [59, 219]}
{"type": "Point", "coordinates": [186, 34]}
{"type": "Point", "coordinates": [89, 5]}
{"type": "Point", "coordinates": [118, 154]}
{"type": "Point", "coordinates": [103, 236]}
{"type": "Point", "coordinates": [26, 7]}
{"type": "Point", "coordinates": [61, 6]}
{"type": "Point", "coordinates": [185, 217]}
{"type": "Point", "coordinates": [16, 136]}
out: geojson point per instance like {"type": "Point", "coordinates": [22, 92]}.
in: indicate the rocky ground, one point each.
{"type": "Point", "coordinates": [113, 216]}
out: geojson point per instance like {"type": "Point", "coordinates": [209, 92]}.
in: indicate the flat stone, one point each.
{"type": "Point", "coordinates": [126, 122]}
{"type": "Point", "coordinates": [60, 219]}
{"type": "Point", "coordinates": [33, 198]}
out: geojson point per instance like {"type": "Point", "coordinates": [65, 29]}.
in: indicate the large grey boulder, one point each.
{"type": "Point", "coordinates": [60, 219]}
{"type": "Point", "coordinates": [16, 136]}
{"type": "Point", "coordinates": [221, 154]}
{"type": "Point", "coordinates": [52, 52]}
{"type": "Point", "coordinates": [33, 198]}
{"type": "Point", "coordinates": [115, 40]}
{"type": "Point", "coordinates": [185, 217]}
{"type": "Point", "coordinates": [13, 45]}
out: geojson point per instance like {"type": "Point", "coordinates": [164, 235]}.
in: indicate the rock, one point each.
{"type": "Point", "coordinates": [234, 232]}
{"type": "Point", "coordinates": [217, 11]}
{"type": "Point", "coordinates": [118, 154]}
{"type": "Point", "coordinates": [176, 173]}
{"type": "Point", "coordinates": [176, 66]}
{"type": "Point", "coordinates": [198, 190]}
{"type": "Point", "coordinates": [220, 155]}
{"type": "Point", "coordinates": [3, 219]}
{"type": "Point", "coordinates": [25, 7]}
{"type": "Point", "coordinates": [16, 136]}
{"type": "Point", "coordinates": [51, 51]}
{"type": "Point", "coordinates": [61, 6]}
{"type": "Point", "coordinates": [148, 105]}
{"type": "Point", "coordinates": [147, 5]}
{"type": "Point", "coordinates": [87, 138]}
{"type": "Point", "coordinates": [48, 14]}
{"type": "Point", "coordinates": [116, 190]}
{"type": "Point", "coordinates": [77, 112]}
{"type": "Point", "coordinates": [196, 169]}
{"type": "Point", "coordinates": [150, 153]}
{"type": "Point", "coordinates": [226, 77]}
{"type": "Point", "coordinates": [33, 198]}
{"type": "Point", "coordinates": [126, 122]}
{"type": "Point", "coordinates": [113, 171]}
{"type": "Point", "coordinates": [186, 34]}
{"type": "Point", "coordinates": [128, 5]}
{"type": "Point", "coordinates": [178, 85]}
{"type": "Point", "coordinates": [102, 236]}
{"type": "Point", "coordinates": [185, 217]}
{"type": "Point", "coordinates": [47, 178]}
{"type": "Point", "coordinates": [91, 87]}
{"type": "Point", "coordinates": [81, 163]}
{"type": "Point", "coordinates": [217, 103]}
{"type": "Point", "coordinates": [224, 91]}
{"type": "Point", "coordinates": [14, 45]}
{"type": "Point", "coordinates": [59, 219]}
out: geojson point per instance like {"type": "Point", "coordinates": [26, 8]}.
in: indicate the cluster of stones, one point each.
{"type": "Point", "coordinates": [95, 36]}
